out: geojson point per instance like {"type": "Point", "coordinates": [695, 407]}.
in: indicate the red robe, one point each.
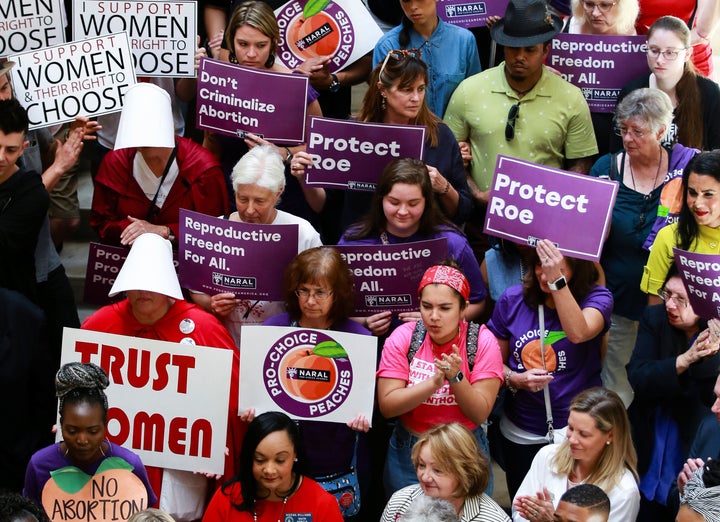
{"type": "Point", "coordinates": [200, 186]}
{"type": "Point", "coordinates": [118, 319]}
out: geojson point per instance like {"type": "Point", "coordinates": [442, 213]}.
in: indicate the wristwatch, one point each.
{"type": "Point", "coordinates": [335, 84]}
{"type": "Point", "coordinates": [558, 284]}
{"type": "Point", "coordinates": [459, 377]}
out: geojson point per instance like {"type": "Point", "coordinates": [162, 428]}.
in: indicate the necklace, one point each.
{"type": "Point", "coordinates": [282, 514]}
{"type": "Point", "coordinates": [632, 175]}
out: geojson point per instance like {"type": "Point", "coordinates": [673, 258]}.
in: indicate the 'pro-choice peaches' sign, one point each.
{"type": "Point", "coordinates": [83, 78]}
{"type": "Point", "coordinates": [247, 259]}
{"type": "Point", "coordinates": [599, 65]}
{"type": "Point", "coordinates": [162, 34]}
{"type": "Point", "coordinates": [387, 276]}
{"type": "Point", "coordinates": [235, 100]}
{"type": "Point", "coordinates": [342, 29]}
{"type": "Point", "coordinates": [530, 202]}
{"type": "Point", "coordinates": [30, 25]}
{"type": "Point", "coordinates": [350, 155]}
{"type": "Point", "coordinates": [308, 374]}
{"type": "Point", "coordinates": [701, 275]}
{"type": "Point", "coordinates": [168, 401]}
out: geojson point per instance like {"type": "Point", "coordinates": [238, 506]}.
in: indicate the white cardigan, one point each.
{"type": "Point", "coordinates": [624, 497]}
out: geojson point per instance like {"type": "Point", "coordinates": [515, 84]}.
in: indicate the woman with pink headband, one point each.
{"type": "Point", "coordinates": [430, 374]}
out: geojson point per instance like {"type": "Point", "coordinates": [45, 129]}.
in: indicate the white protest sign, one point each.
{"type": "Point", "coordinates": [83, 78]}
{"type": "Point", "coordinates": [343, 29]}
{"type": "Point", "coordinates": [309, 374]}
{"type": "Point", "coordinates": [30, 25]}
{"type": "Point", "coordinates": [163, 35]}
{"type": "Point", "coordinates": [168, 401]}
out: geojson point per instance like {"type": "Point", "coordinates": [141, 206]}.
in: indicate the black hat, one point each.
{"type": "Point", "coordinates": [526, 22]}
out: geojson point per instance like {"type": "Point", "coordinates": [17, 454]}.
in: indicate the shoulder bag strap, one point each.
{"type": "Point", "coordinates": [546, 391]}
{"type": "Point", "coordinates": [416, 341]}
{"type": "Point", "coordinates": [151, 209]}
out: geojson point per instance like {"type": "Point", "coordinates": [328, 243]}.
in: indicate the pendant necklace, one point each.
{"type": "Point", "coordinates": [632, 176]}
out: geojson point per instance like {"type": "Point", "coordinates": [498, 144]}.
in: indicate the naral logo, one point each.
{"type": "Point", "coordinates": [361, 185]}
{"type": "Point", "coordinates": [308, 373]}
{"type": "Point", "coordinates": [452, 11]}
{"type": "Point", "coordinates": [234, 281]}
{"type": "Point", "coordinates": [388, 300]}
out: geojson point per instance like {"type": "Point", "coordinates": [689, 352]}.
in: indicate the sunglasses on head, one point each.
{"type": "Point", "coordinates": [400, 55]}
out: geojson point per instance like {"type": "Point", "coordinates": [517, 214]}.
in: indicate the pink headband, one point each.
{"type": "Point", "coordinates": [446, 275]}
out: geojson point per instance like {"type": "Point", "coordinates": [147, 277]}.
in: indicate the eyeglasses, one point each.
{"type": "Point", "coordinates": [604, 7]}
{"type": "Point", "coordinates": [668, 54]}
{"type": "Point", "coordinates": [510, 125]}
{"type": "Point", "coordinates": [666, 295]}
{"type": "Point", "coordinates": [319, 295]}
{"type": "Point", "coordinates": [636, 133]}
{"type": "Point", "coordinates": [400, 54]}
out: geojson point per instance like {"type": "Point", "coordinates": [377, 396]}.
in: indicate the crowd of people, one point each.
{"type": "Point", "coordinates": [594, 385]}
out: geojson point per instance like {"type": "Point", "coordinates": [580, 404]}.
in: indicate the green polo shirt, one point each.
{"type": "Point", "coordinates": [553, 122]}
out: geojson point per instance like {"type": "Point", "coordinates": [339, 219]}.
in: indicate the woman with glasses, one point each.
{"type": "Point", "coordinates": [398, 95]}
{"type": "Point", "coordinates": [258, 182]}
{"type": "Point", "coordinates": [673, 371]}
{"type": "Point", "coordinates": [319, 294]}
{"type": "Point", "coordinates": [697, 228]}
{"type": "Point", "coordinates": [650, 197]}
{"type": "Point", "coordinates": [449, 51]}
{"type": "Point", "coordinates": [695, 99]}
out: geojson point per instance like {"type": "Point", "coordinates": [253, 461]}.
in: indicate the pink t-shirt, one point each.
{"type": "Point", "coordinates": [441, 406]}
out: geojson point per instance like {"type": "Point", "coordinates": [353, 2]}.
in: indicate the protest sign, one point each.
{"type": "Point", "coordinates": [83, 78]}
{"type": "Point", "coordinates": [701, 275]}
{"type": "Point", "coordinates": [342, 29]}
{"type": "Point", "coordinates": [349, 154]}
{"type": "Point", "coordinates": [230, 102]}
{"type": "Point", "coordinates": [103, 265]}
{"type": "Point", "coordinates": [168, 401]}
{"type": "Point", "coordinates": [470, 13]}
{"type": "Point", "coordinates": [163, 35]}
{"type": "Point", "coordinates": [218, 255]}
{"type": "Point", "coordinates": [600, 65]}
{"type": "Point", "coordinates": [309, 374]}
{"type": "Point", "coordinates": [386, 277]}
{"type": "Point", "coordinates": [530, 202]}
{"type": "Point", "coordinates": [30, 25]}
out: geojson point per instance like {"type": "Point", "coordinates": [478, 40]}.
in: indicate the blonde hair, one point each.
{"type": "Point", "coordinates": [457, 452]}
{"type": "Point", "coordinates": [608, 411]}
{"type": "Point", "coordinates": [627, 13]}
{"type": "Point", "coordinates": [151, 515]}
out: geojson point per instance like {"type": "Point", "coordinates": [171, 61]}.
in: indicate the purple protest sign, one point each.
{"type": "Point", "coordinates": [470, 13]}
{"type": "Point", "coordinates": [529, 202]}
{"type": "Point", "coordinates": [386, 276]}
{"type": "Point", "coordinates": [230, 101]}
{"type": "Point", "coordinates": [701, 275]}
{"type": "Point", "coordinates": [350, 155]}
{"type": "Point", "coordinates": [599, 65]}
{"type": "Point", "coordinates": [104, 263]}
{"type": "Point", "coordinates": [217, 255]}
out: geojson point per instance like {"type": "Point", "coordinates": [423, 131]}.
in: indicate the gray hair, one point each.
{"type": "Point", "coordinates": [429, 509]}
{"type": "Point", "coordinates": [651, 106]}
{"type": "Point", "coordinates": [151, 515]}
{"type": "Point", "coordinates": [261, 166]}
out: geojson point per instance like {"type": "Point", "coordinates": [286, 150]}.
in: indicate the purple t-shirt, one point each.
{"type": "Point", "coordinates": [51, 458]}
{"type": "Point", "coordinates": [575, 367]}
{"type": "Point", "coordinates": [458, 248]}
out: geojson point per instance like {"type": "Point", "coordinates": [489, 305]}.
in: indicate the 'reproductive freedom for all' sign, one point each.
{"type": "Point", "coordinates": [162, 34]}
{"type": "Point", "coordinates": [83, 78]}
{"type": "Point", "coordinates": [28, 25]}
{"type": "Point", "coordinates": [529, 202]}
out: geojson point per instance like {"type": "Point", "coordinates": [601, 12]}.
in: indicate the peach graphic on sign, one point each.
{"type": "Point", "coordinates": [532, 355]}
{"type": "Point", "coordinates": [113, 493]}
{"type": "Point", "coordinates": [311, 375]}
{"type": "Point", "coordinates": [317, 35]}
